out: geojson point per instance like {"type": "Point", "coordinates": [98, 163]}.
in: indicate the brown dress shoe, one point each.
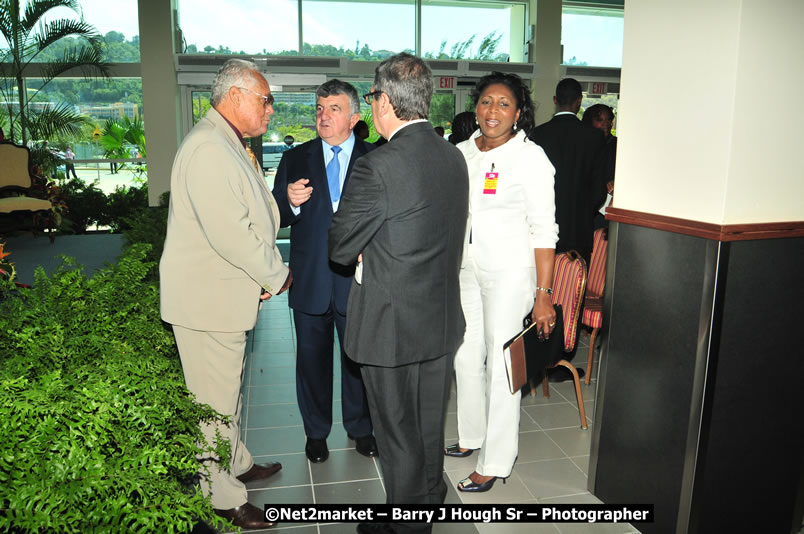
{"type": "Point", "coordinates": [258, 472]}
{"type": "Point", "coordinates": [246, 516]}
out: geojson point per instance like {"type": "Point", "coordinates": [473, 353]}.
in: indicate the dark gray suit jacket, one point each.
{"type": "Point", "coordinates": [575, 150]}
{"type": "Point", "coordinates": [405, 210]}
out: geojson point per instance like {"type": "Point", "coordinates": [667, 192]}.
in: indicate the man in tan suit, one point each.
{"type": "Point", "coordinates": [220, 259]}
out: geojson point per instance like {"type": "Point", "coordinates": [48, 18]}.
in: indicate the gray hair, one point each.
{"type": "Point", "coordinates": [233, 73]}
{"type": "Point", "coordinates": [337, 87]}
{"type": "Point", "coordinates": [408, 82]}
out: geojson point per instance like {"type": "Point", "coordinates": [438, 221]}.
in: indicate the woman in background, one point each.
{"type": "Point", "coordinates": [507, 270]}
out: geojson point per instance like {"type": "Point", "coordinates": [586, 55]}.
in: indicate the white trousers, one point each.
{"type": "Point", "coordinates": [213, 364]}
{"type": "Point", "coordinates": [494, 304]}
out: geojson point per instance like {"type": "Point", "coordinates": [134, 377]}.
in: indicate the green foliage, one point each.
{"type": "Point", "coordinates": [99, 433]}
{"type": "Point", "coordinates": [123, 204]}
{"type": "Point", "coordinates": [86, 206]}
{"type": "Point", "coordinates": [149, 225]}
{"type": "Point", "coordinates": [29, 31]}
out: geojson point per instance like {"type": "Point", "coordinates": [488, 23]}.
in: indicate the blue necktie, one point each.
{"type": "Point", "coordinates": [334, 175]}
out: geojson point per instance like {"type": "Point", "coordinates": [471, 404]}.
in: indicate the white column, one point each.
{"type": "Point", "coordinates": [160, 92]}
{"type": "Point", "coordinates": [545, 51]}
{"type": "Point", "coordinates": [707, 120]}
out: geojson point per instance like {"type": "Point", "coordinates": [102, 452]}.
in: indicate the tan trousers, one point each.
{"type": "Point", "coordinates": [213, 364]}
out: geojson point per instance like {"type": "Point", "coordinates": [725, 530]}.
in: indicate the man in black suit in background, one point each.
{"type": "Point", "coordinates": [404, 217]}
{"type": "Point", "coordinates": [308, 187]}
{"type": "Point", "coordinates": [574, 150]}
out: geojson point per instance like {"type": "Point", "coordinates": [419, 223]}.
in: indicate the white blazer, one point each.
{"type": "Point", "coordinates": [507, 220]}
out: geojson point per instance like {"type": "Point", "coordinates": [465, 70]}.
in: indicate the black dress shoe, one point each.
{"type": "Point", "coordinates": [562, 374]}
{"type": "Point", "coordinates": [258, 472]}
{"type": "Point", "coordinates": [246, 516]}
{"type": "Point", "coordinates": [367, 445]}
{"type": "Point", "coordinates": [316, 450]}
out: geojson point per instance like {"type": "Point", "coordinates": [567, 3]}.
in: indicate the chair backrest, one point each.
{"type": "Point", "coordinates": [569, 285]}
{"type": "Point", "coordinates": [597, 265]}
{"type": "Point", "coordinates": [15, 171]}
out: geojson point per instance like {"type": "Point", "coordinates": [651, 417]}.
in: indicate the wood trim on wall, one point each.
{"type": "Point", "coordinates": [716, 232]}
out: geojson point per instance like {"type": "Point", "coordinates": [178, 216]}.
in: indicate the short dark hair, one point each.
{"type": "Point", "coordinates": [361, 129]}
{"type": "Point", "coordinates": [336, 87]}
{"type": "Point", "coordinates": [596, 112]}
{"type": "Point", "coordinates": [462, 127]}
{"type": "Point", "coordinates": [408, 82]}
{"type": "Point", "coordinates": [517, 87]}
{"type": "Point", "coordinates": [568, 91]}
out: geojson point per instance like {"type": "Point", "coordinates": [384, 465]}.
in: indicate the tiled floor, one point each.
{"type": "Point", "coordinates": [551, 468]}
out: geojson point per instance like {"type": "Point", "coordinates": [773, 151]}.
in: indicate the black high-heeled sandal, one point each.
{"type": "Point", "coordinates": [456, 452]}
{"type": "Point", "coordinates": [477, 488]}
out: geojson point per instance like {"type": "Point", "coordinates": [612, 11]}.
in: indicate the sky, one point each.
{"type": "Point", "coordinates": [254, 25]}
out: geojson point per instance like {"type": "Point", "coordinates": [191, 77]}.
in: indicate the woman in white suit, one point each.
{"type": "Point", "coordinates": [507, 270]}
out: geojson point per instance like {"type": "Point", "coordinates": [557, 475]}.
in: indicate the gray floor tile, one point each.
{"type": "Point", "coordinates": [262, 360]}
{"type": "Point", "coordinates": [526, 422]}
{"type": "Point", "coordinates": [360, 492]}
{"type": "Point", "coordinates": [582, 462]}
{"type": "Point", "coordinates": [451, 428]}
{"type": "Point", "coordinates": [460, 464]}
{"type": "Point", "coordinates": [271, 441]}
{"type": "Point", "coordinates": [273, 394]}
{"type": "Point", "coordinates": [272, 375]}
{"type": "Point", "coordinates": [273, 415]}
{"type": "Point", "coordinates": [537, 446]}
{"type": "Point", "coordinates": [344, 466]}
{"type": "Point", "coordinates": [295, 472]}
{"type": "Point", "coordinates": [573, 441]}
{"type": "Point", "coordinates": [563, 415]}
{"type": "Point", "coordinates": [552, 478]}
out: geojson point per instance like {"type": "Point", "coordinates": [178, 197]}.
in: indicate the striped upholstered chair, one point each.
{"type": "Point", "coordinates": [593, 302]}
{"type": "Point", "coordinates": [569, 285]}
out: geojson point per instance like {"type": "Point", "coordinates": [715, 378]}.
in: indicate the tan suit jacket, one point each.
{"type": "Point", "coordinates": [220, 248]}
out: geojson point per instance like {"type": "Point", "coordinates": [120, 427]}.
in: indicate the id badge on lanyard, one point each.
{"type": "Point", "coordinates": [490, 182]}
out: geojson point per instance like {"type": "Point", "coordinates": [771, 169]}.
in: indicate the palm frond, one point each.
{"type": "Point", "coordinates": [35, 10]}
{"type": "Point", "coordinates": [50, 32]}
{"type": "Point", "coordinates": [60, 119]}
{"type": "Point", "coordinates": [88, 61]}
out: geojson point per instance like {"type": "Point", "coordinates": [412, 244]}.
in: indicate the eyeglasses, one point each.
{"type": "Point", "coordinates": [372, 95]}
{"type": "Point", "coordinates": [266, 100]}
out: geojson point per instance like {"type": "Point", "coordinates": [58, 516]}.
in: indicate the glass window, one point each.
{"type": "Point", "coordinates": [592, 37]}
{"type": "Point", "coordinates": [354, 30]}
{"type": "Point", "coordinates": [461, 29]}
{"type": "Point", "coordinates": [119, 28]}
{"type": "Point", "coordinates": [241, 27]}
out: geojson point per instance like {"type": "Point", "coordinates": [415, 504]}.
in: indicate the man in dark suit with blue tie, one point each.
{"type": "Point", "coordinates": [308, 186]}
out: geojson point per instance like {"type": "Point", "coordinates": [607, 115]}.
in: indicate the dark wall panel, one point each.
{"type": "Point", "coordinates": [652, 342]}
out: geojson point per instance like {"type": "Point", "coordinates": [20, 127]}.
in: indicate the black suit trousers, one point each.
{"type": "Point", "coordinates": [314, 375]}
{"type": "Point", "coordinates": [408, 407]}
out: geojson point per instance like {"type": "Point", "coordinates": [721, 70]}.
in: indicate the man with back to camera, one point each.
{"type": "Point", "coordinates": [575, 150]}
{"type": "Point", "coordinates": [404, 217]}
{"type": "Point", "coordinates": [308, 187]}
{"type": "Point", "coordinates": [220, 259]}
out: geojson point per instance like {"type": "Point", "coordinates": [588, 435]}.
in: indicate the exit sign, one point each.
{"type": "Point", "coordinates": [598, 88]}
{"type": "Point", "coordinates": [446, 82]}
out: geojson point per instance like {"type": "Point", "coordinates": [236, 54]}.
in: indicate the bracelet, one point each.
{"type": "Point", "coordinates": [548, 290]}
